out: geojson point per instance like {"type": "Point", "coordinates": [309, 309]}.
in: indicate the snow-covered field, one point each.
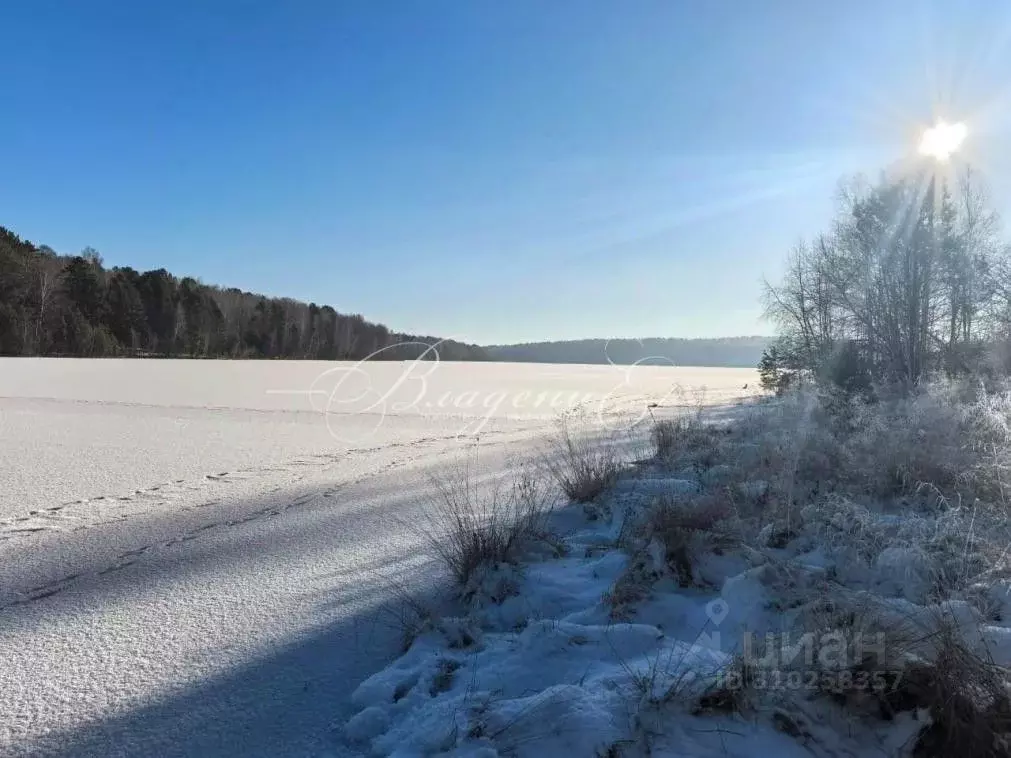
{"type": "Point", "coordinates": [197, 555]}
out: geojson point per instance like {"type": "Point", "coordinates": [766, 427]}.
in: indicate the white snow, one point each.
{"type": "Point", "coordinates": [563, 679]}
{"type": "Point", "coordinates": [194, 560]}
{"type": "Point", "coordinates": [75, 429]}
{"type": "Point", "coordinates": [550, 668]}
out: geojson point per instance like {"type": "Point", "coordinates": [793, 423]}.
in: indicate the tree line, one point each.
{"type": "Point", "coordinates": [722, 351]}
{"type": "Point", "coordinates": [52, 304]}
{"type": "Point", "coordinates": [911, 281]}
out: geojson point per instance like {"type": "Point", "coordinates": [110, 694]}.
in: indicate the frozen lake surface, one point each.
{"type": "Point", "coordinates": [197, 554]}
{"type": "Point", "coordinates": [78, 429]}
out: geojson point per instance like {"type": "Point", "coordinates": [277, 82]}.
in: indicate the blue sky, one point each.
{"type": "Point", "coordinates": [492, 171]}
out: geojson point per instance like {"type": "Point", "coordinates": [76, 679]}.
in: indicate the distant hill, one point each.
{"type": "Point", "coordinates": [724, 351]}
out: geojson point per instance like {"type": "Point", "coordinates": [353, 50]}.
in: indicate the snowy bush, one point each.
{"type": "Point", "coordinates": [939, 444]}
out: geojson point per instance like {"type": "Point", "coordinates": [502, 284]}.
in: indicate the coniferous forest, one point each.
{"type": "Point", "coordinates": [52, 304]}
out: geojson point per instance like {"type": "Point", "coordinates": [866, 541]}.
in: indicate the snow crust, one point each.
{"type": "Point", "coordinates": [196, 560]}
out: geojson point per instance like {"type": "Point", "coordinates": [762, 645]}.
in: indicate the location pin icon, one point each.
{"type": "Point", "coordinates": [717, 610]}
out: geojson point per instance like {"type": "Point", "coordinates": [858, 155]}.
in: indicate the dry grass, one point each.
{"type": "Point", "coordinates": [910, 489]}
{"type": "Point", "coordinates": [582, 464]}
{"type": "Point", "coordinates": [686, 439]}
{"type": "Point", "coordinates": [946, 446]}
{"type": "Point", "coordinates": [666, 541]}
{"type": "Point", "coordinates": [917, 490]}
{"type": "Point", "coordinates": [732, 691]}
{"type": "Point", "coordinates": [468, 527]}
{"type": "Point", "coordinates": [684, 528]}
{"type": "Point", "coordinates": [857, 632]}
{"type": "Point", "coordinates": [631, 587]}
{"type": "Point", "coordinates": [967, 696]}
{"type": "Point", "coordinates": [410, 617]}
{"type": "Point", "coordinates": [890, 663]}
{"type": "Point", "coordinates": [442, 679]}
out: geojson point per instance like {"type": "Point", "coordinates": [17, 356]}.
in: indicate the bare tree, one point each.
{"type": "Point", "coordinates": [905, 281]}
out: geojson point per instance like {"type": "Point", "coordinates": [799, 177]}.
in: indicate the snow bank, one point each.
{"type": "Point", "coordinates": [789, 635]}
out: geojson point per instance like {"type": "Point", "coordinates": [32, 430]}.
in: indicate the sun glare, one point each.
{"type": "Point", "coordinates": [942, 140]}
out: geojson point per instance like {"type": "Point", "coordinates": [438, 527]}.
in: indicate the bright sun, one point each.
{"type": "Point", "coordinates": [942, 140]}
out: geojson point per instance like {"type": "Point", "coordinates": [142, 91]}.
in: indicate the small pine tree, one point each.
{"type": "Point", "coordinates": [847, 369]}
{"type": "Point", "coordinates": [772, 371]}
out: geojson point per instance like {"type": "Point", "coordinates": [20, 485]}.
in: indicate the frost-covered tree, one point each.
{"type": "Point", "coordinates": [901, 286]}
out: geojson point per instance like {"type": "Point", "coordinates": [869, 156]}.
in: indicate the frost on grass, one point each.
{"type": "Point", "coordinates": [805, 577]}
{"type": "Point", "coordinates": [582, 464]}
{"type": "Point", "coordinates": [471, 529]}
